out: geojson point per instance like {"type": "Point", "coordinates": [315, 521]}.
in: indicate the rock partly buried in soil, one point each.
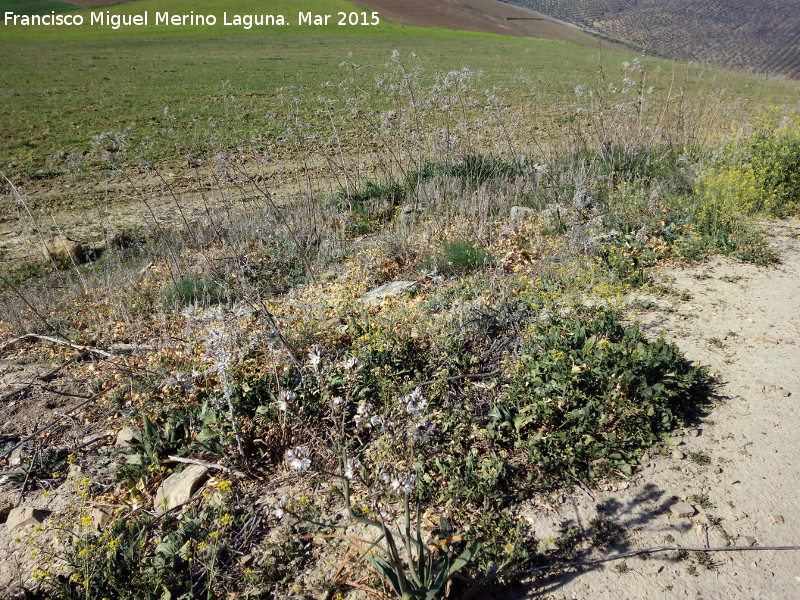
{"type": "Point", "coordinates": [682, 509]}
{"type": "Point", "coordinates": [125, 435]}
{"type": "Point", "coordinates": [100, 518]}
{"type": "Point", "coordinates": [24, 516]}
{"type": "Point", "coordinates": [60, 247]}
{"type": "Point", "coordinates": [179, 488]}
{"type": "Point", "coordinates": [749, 540]}
{"type": "Point", "coordinates": [736, 515]}
{"type": "Point", "coordinates": [16, 457]}
{"type": "Point", "coordinates": [388, 290]}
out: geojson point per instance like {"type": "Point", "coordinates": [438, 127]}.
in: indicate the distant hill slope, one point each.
{"type": "Point", "coordinates": [761, 36]}
{"type": "Point", "coordinates": [489, 16]}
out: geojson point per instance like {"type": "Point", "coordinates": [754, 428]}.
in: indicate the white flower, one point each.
{"type": "Point", "coordinates": [338, 401]}
{"type": "Point", "coordinates": [278, 510]}
{"type": "Point", "coordinates": [415, 403]}
{"type": "Point", "coordinates": [403, 481]}
{"type": "Point", "coordinates": [353, 364]}
{"type": "Point", "coordinates": [350, 468]}
{"type": "Point", "coordinates": [363, 414]}
{"type": "Point", "coordinates": [285, 398]}
{"type": "Point", "coordinates": [422, 432]}
{"type": "Point", "coordinates": [298, 458]}
{"type": "Point", "coordinates": [315, 355]}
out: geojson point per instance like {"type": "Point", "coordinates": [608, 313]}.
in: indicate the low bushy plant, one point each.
{"type": "Point", "coordinates": [589, 394]}
{"type": "Point", "coordinates": [458, 257]}
{"type": "Point", "coordinates": [194, 289]}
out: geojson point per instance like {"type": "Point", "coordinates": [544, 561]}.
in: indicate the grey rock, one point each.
{"type": "Point", "coordinates": [133, 459]}
{"type": "Point", "coordinates": [24, 516]}
{"type": "Point", "coordinates": [387, 290]}
{"type": "Point", "coordinates": [678, 455]}
{"type": "Point", "coordinates": [682, 509]}
{"type": "Point", "coordinates": [125, 435]}
{"type": "Point", "coordinates": [16, 457]}
{"type": "Point", "coordinates": [179, 488]}
{"type": "Point", "coordinates": [60, 247]}
{"type": "Point", "coordinates": [778, 519]}
{"type": "Point", "coordinates": [736, 515]}
{"type": "Point", "coordinates": [749, 540]}
{"type": "Point", "coordinates": [74, 472]}
{"type": "Point", "coordinates": [100, 518]}
{"type": "Point", "coordinates": [717, 470]}
{"type": "Point", "coordinates": [519, 214]}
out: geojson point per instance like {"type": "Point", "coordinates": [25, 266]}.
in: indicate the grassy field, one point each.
{"type": "Point", "coordinates": [63, 87]}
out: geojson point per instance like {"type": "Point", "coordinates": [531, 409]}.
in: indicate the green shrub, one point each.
{"type": "Point", "coordinates": [757, 175]}
{"type": "Point", "coordinates": [589, 394]}
{"type": "Point", "coordinates": [150, 558]}
{"type": "Point", "coordinates": [478, 169]}
{"type": "Point", "coordinates": [458, 257]}
{"type": "Point", "coordinates": [194, 289]}
{"type": "Point", "coordinates": [775, 159]}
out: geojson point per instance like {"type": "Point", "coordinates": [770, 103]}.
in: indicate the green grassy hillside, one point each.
{"type": "Point", "coordinates": [64, 87]}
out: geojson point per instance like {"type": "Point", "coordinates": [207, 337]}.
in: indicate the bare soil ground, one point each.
{"type": "Point", "coordinates": [741, 463]}
{"type": "Point", "coordinates": [489, 16]}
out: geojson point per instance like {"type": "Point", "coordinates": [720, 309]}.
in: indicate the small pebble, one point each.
{"type": "Point", "coordinates": [717, 470]}
{"type": "Point", "coordinates": [678, 455]}
{"type": "Point", "coordinates": [777, 519]}
{"type": "Point", "coordinates": [749, 540]}
{"type": "Point", "coordinates": [682, 509]}
{"type": "Point", "coordinates": [736, 515]}
{"type": "Point", "coordinates": [733, 481]}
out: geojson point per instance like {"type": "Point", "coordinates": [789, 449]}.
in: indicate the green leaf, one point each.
{"type": "Point", "coordinates": [385, 570]}
{"type": "Point", "coordinates": [206, 434]}
{"type": "Point", "coordinates": [464, 558]}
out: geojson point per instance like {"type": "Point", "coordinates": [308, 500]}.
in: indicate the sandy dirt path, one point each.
{"type": "Point", "coordinates": [743, 321]}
